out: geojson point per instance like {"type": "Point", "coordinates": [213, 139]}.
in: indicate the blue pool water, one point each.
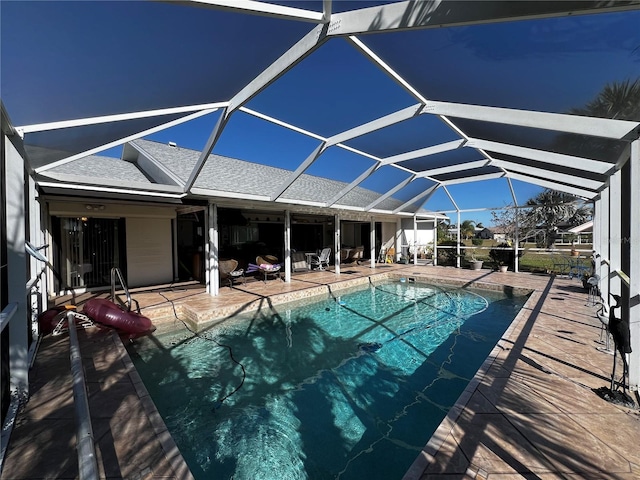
{"type": "Point", "coordinates": [350, 387]}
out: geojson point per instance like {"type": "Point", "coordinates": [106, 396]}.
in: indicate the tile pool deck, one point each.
{"type": "Point", "coordinates": [530, 411]}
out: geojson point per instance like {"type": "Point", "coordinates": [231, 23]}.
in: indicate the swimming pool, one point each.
{"type": "Point", "coordinates": [351, 386]}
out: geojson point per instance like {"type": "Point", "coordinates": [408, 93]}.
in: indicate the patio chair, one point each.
{"type": "Point", "coordinates": [577, 268]}
{"type": "Point", "coordinates": [321, 261]}
{"type": "Point", "coordinates": [266, 260]}
{"type": "Point", "coordinates": [559, 264]}
{"type": "Point", "coordinates": [229, 271]}
{"type": "Point", "coordinates": [266, 265]}
{"type": "Point", "coordinates": [390, 256]}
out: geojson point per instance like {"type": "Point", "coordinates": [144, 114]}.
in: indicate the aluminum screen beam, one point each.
{"type": "Point", "coordinates": [124, 140]}
{"type": "Point", "coordinates": [363, 176]}
{"type": "Point", "coordinates": [387, 69]}
{"type": "Point", "coordinates": [423, 152]}
{"type": "Point", "coordinates": [386, 195]}
{"type": "Point", "coordinates": [291, 57]}
{"type": "Point", "coordinates": [377, 124]}
{"type": "Point", "coordinates": [578, 163]}
{"type": "Point", "coordinates": [204, 154]}
{"type": "Point", "coordinates": [539, 172]}
{"type": "Point", "coordinates": [624, 157]}
{"type": "Point", "coordinates": [579, 192]}
{"type": "Point", "coordinates": [596, 127]}
{"type": "Point", "coordinates": [427, 193]}
{"type": "Point", "coordinates": [451, 199]}
{"type": "Point", "coordinates": [615, 232]}
{"type": "Point", "coordinates": [259, 8]}
{"type": "Point", "coordinates": [477, 178]}
{"type": "Point", "coordinates": [426, 199]}
{"type": "Point", "coordinates": [513, 192]}
{"type": "Point", "coordinates": [299, 171]}
{"type": "Point", "coordinates": [352, 133]}
{"type": "Point", "coordinates": [440, 13]}
{"type": "Point", "coordinates": [280, 123]}
{"type": "Point", "coordinates": [634, 271]}
{"type": "Point", "coordinates": [309, 43]}
{"type": "Point", "coordinates": [83, 122]}
{"type": "Point", "coordinates": [452, 168]}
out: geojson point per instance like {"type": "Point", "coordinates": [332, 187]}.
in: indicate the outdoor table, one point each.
{"type": "Point", "coordinates": [310, 255]}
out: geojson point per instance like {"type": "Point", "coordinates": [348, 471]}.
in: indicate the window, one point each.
{"type": "Point", "coordinates": [243, 234]}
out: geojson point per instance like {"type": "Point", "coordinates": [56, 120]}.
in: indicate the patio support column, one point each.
{"type": "Point", "coordinates": [436, 222]}
{"type": "Point", "coordinates": [372, 239]}
{"type": "Point", "coordinates": [16, 268]}
{"type": "Point", "coordinates": [212, 277]}
{"type": "Point", "coordinates": [415, 240]}
{"type": "Point", "coordinates": [614, 241]}
{"type": "Point", "coordinates": [287, 246]}
{"type": "Point", "coordinates": [634, 265]}
{"type": "Point", "coordinates": [516, 240]}
{"type": "Point", "coordinates": [40, 296]}
{"type": "Point", "coordinates": [597, 242]}
{"type": "Point", "coordinates": [336, 243]}
{"type": "Point", "coordinates": [397, 241]}
{"type": "Point", "coordinates": [174, 242]}
{"type": "Point", "coordinates": [458, 241]}
{"type": "Point", "coordinates": [605, 243]}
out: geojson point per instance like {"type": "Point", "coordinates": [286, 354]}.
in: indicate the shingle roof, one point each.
{"type": "Point", "coordinates": [95, 166]}
{"type": "Point", "coordinates": [226, 174]}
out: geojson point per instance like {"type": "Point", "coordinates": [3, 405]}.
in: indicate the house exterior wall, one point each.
{"type": "Point", "coordinates": [149, 259]}
{"type": "Point", "coordinates": [149, 249]}
{"type": "Point", "coordinates": [425, 234]}
{"type": "Point", "coordinates": [388, 234]}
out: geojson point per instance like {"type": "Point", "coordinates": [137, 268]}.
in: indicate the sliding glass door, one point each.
{"type": "Point", "coordinates": [89, 248]}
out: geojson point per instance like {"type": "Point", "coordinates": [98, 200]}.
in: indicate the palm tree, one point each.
{"type": "Point", "coordinates": [467, 228]}
{"type": "Point", "coordinates": [442, 230]}
{"type": "Point", "coordinates": [550, 209]}
{"type": "Point", "coordinates": [618, 100]}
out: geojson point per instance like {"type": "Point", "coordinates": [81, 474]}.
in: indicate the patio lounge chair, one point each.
{"type": "Point", "coordinates": [321, 261]}
{"type": "Point", "coordinates": [229, 271]}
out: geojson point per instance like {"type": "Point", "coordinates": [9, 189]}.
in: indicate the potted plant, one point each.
{"type": "Point", "coordinates": [574, 252]}
{"type": "Point", "coordinates": [503, 256]}
{"type": "Point", "coordinates": [474, 262]}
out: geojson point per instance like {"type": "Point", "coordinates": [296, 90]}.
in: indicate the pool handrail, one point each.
{"type": "Point", "coordinates": [87, 463]}
{"type": "Point", "coordinates": [116, 274]}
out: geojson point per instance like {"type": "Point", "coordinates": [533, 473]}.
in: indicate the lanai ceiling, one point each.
{"type": "Point", "coordinates": [422, 102]}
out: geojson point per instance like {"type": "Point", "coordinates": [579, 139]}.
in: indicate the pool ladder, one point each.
{"type": "Point", "coordinates": [116, 276]}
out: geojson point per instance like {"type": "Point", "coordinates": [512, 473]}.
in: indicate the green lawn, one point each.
{"type": "Point", "coordinates": [533, 259]}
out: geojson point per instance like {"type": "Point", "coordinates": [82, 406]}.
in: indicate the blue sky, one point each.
{"type": "Point", "coordinates": [66, 60]}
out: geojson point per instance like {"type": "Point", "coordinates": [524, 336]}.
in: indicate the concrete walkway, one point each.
{"type": "Point", "coordinates": [530, 411]}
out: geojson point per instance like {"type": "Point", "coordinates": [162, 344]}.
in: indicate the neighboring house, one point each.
{"type": "Point", "coordinates": [484, 233]}
{"type": "Point", "coordinates": [583, 233]}
{"type": "Point", "coordinates": [499, 235]}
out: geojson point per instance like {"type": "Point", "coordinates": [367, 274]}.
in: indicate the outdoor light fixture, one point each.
{"type": "Point", "coordinates": [90, 206]}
